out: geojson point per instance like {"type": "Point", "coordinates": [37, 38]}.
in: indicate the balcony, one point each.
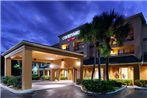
{"type": "Point", "coordinates": [122, 52]}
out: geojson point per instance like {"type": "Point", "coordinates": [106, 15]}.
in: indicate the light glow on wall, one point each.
{"type": "Point", "coordinates": [51, 66]}
{"type": "Point", "coordinates": [64, 46]}
{"type": "Point", "coordinates": [78, 63]}
{"type": "Point", "coordinates": [113, 52]}
{"type": "Point", "coordinates": [62, 64]}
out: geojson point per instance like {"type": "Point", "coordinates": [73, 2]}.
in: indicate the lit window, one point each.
{"type": "Point", "coordinates": [65, 46]}
{"type": "Point", "coordinates": [121, 51]}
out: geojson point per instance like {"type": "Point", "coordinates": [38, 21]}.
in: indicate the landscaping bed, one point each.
{"type": "Point", "coordinates": [13, 81]}
{"type": "Point", "coordinates": [141, 83]}
{"type": "Point", "coordinates": [103, 86]}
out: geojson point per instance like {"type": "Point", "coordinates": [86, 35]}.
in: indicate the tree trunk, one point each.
{"type": "Point", "coordinates": [107, 68]}
{"type": "Point", "coordinates": [99, 65]}
{"type": "Point", "coordinates": [93, 70]}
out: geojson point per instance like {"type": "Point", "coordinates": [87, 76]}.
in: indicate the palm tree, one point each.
{"type": "Point", "coordinates": [87, 34]}
{"type": "Point", "coordinates": [99, 39]}
{"type": "Point", "coordinates": [115, 29]}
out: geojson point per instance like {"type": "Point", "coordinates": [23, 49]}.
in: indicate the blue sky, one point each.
{"type": "Point", "coordinates": [42, 22]}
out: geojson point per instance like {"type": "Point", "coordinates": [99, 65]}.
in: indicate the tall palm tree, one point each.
{"type": "Point", "coordinates": [87, 34]}
{"type": "Point", "coordinates": [115, 29]}
{"type": "Point", "coordinates": [99, 39]}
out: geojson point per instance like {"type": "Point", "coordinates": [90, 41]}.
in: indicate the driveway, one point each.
{"type": "Point", "coordinates": [71, 91]}
{"type": "Point", "coordinates": [41, 85]}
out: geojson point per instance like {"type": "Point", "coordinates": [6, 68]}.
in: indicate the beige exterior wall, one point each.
{"type": "Point", "coordinates": [7, 66]}
{"type": "Point", "coordinates": [26, 68]}
{"type": "Point", "coordinates": [143, 72]}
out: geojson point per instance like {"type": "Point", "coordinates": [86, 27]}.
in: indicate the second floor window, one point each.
{"type": "Point", "coordinates": [78, 45]}
{"type": "Point", "coordinates": [65, 46]}
{"type": "Point", "coordinates": [130, 35]}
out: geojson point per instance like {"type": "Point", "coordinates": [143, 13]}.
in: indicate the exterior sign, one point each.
{"type": "Point", "coordinates": [71, 35]}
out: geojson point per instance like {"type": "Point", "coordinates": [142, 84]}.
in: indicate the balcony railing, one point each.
{"type": "Point", "coordinates": [121, 54]}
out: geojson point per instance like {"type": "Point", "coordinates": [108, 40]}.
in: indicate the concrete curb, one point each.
{"type": "Point", "coordinates": [16, 91]}
{"type": "Point", "coordinates": [137, 87]}
{"type": "Point", "coordinates": [88, 92]}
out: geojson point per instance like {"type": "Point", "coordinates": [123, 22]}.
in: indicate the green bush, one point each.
{"type": "Point", "coordinates": [142, 83]}
{"type": "Point", "coordinates": [11, 81]}
{"type": "Point", "coordinates": [63, 78]}
{"type": "Point", "coordinates": [100, 86]}
{"type": "Point", "coordinates": [35, 77]}
{"type": "Point", "coordinates": [14, 81]}
{"type": "Point", "coordinates": [125, 81]}
{"type": "Point", "coordinates": [45, 77]}
{"type": "Point", "coordinates": [5, 79]}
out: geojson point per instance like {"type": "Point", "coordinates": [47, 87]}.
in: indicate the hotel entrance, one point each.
{"type": "Point", "coordinates": [44, 61]}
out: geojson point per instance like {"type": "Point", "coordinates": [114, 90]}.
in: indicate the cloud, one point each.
{"type": "Point", "coordinates": [43, 21]}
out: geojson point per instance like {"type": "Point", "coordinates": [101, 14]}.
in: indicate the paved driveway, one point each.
{"type": "Point", "coordinates": [71, 91]}
{"type": "Point", "coordinates": [40, 85]}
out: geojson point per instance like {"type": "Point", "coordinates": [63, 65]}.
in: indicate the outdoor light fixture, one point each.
{"type": "Point", "coordinates": [78, 63]}
{"type": "Point", "coordinates": [50, 58]}
{"type": "Point", "coordinates": [51, 66]}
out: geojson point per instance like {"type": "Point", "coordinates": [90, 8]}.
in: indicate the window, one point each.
{"type": "Point", "coordinates": [120, 51]}
{"type": "Point", "coordinates": [64, 46]}
{"type": "Point", "coordinates": [130, 35]}
{"type": "Point", "coordinates": [78, 45]}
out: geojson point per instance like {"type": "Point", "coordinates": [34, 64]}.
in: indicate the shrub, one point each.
{"type": "Point", "coordinates": [45, 77]}
{"type": "Point", "coordinates": [35, 77]}
{"type": "Point", "coordinates": [63, 78]}
{"type": "Point", "coordinates": [17, 83]}
{"type": "Point", "coordinates": [78, 81]}
{"type": "Point", "coordinates": [142, 83]}
{"type": "Point", "coordinates": [124, 81]}
{"type": "Point", "coordinates": [100, 86]}
{"type": "Point", "coordinates": [5, 79]}
{"type": "Point", "coordinates": [14, 81]}
{"type": "Point", "coordinates": [11, 81]}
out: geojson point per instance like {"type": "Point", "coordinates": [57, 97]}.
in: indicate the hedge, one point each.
{"type": "Point", "coordinates": [45, 77]}
{"type": "Point", "coordinates": [14, 81]}
{"type": "Point", "coordinates": [35, 77]}
{"type": "Point", "coordinates": [142, 83]}
{"type": "Point", "coordinates": [124, 81]}
{"type": "Point", "coordinates": [102, 86]}
{"type": "Point", "coordinates": [63, 78]}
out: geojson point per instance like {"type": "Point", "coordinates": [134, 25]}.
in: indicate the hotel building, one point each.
{"type": "Point", "coordinates": [73, 59]}
{"type": "Point", "coordinates": [126, 62]}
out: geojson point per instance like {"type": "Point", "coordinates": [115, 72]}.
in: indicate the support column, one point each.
{"type": "Point", "coordinates": [74, 74]}
{"type": "Point", "coordinates": [137, 72]}
{"type": "Point", "coordinates": [7, 67]}
{"type": "Point", "coordinates": [43, 72]}
{"type": "Point", "coordinates": [81, 68]}
{"type": "Point", "coordinates": [48, 73]}
{"type": "Point", "coordinates": [26, 68]}
{"type": "Point", "coordinates": [38, 72]}
{"type": "Point", "coordinates": [52, 74]}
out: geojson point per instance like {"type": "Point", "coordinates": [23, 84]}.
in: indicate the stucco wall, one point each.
{"type": "Point", "coordinates": [143, 72]}
{"type": "Point", "coordinates": [144, 33]}
{"type": "Point", "coordinates": [137, 28]}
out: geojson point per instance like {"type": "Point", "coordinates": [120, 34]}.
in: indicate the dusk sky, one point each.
{"type": "Point", "coordinates": [42, 22]}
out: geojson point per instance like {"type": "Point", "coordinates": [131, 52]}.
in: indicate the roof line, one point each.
{"type": "Point", "coordinates": [71, 30]}
{"type": "Point", "coordinates": [129, 17]}
{"type": "Point", "coordinates": [24, 42]}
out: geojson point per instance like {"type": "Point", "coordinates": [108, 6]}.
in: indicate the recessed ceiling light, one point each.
{"type": "Point", "coordinates": [50, 58]}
